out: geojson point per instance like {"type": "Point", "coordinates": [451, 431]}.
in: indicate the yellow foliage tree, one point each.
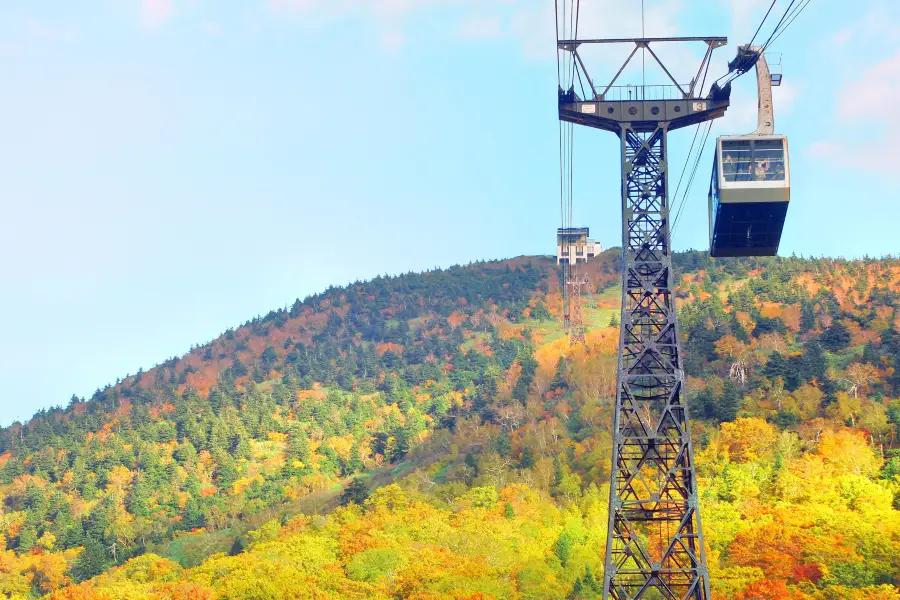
{"type": "Point", "coordinates": [748, 439]}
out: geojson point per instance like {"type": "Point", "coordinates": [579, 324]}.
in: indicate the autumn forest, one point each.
{"type": "Point", "coordinates": [433, 435]}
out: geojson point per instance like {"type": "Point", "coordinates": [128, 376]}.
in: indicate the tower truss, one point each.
{"type": "Point", "coordinates": [576, 317]}
{"type": "Point", "coordinates": [655, 539]}
{"type": "Point", "coordinates": [654, 548]}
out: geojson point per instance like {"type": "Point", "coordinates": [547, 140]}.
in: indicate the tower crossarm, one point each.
{"type": "Point", "coordinates": [643, 107]}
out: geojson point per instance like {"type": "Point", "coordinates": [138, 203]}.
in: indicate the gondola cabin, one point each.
{"type": "Point", "coordinates": [749, 195]}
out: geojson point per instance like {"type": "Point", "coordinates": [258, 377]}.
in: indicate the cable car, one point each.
{"type": "Point", "coordinates": [749, 195]}
{"type": "Point", "coordinates": [751, 178]}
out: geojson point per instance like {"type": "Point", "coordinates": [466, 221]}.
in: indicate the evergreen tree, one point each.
{"type": "Point", "coordinates": [559, 378]}
{"type": "Point", "coordinates": [591, 581]}
{"type": "Point", "coordinates": [92, 561]}
{"type": "Point", "coordinates": [737, 330]}
{"type": "Point", "coordinates": [503, 444]}
{"type": "Point", "coordinates": [268, 359]}
{"type": "Point", "coordinates": [765, 325]}
{"type": "Point", "coordinates": [238, 368]}
{"type": "Point", "coordinates": [193, 516]}
{"type": "Point", "coordinates": [236, 547]}
{"type": "Point", "coordinates": [726, 409]}
{"type": "Point", "coordinates": [355, 493]}
{"type": "Point", "coordinates": [577, 590]}
{"type": "Point", "coordinates": [98, 522]}
{"type": "Point", "coordinates": [471, 462]}
{"type": "Point", "coordinates": [401, 445]}
{"type": "Point", "coordinates": [742, 299]}
{"type": "Point", "coordinates": [540, 312]}
{"type": "Point", "coordinates": [807, 316]}
{"type": "Point", "coordinates": [563, 547]}
{"type": "Point", "coordinates": [796, 373]}
{"type": "Point", "coordinates": [138, 498]}
{"type": "Point", "coordinates": [226, 472]}
{"type": "Point", "coordinates": [27, 538]}
{"type": "Point", "coordinates": [872, 354]}
{"type": "Point", "coordinates": [776, 367]}
{"type": "Point", "coordinates": [523, 384]}
{"type": "Point", "coordinates": [240, 445]}
{"type": "Point", "coordinates": [814, 361]}
{"type": "Point", "coordinates": [836, 337]}
{"type": "Point", "coordinates": [526, 460]}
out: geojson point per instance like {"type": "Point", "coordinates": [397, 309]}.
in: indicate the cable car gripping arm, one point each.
{"type": "Point", "coordinates": [749, 56]}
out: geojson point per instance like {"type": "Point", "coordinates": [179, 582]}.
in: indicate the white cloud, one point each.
{"type": "Point", "coordinates": [880, 23]}
{"type": "Point", "coordinates": [212, 28]}
{"type": "Point", "coordinates": [741, 116]}
{"type": "Point", "coordinates": [617, 19]}
{"type": "Point", "coordinates": [389, 16]}
{"type": "Point", "coordinates": [339, 9]}
{"type": "Point", "coordinates": [530, 21]}
{"type": "Point", "coordinates": [479, 27]}
{"type": "Point", "coordinates": [869, 98]}
{"type": "Point", "coordinates": [533, 27]}
{"type": "Point", "coordinates": [156, 12]}
{"type": "Point", "coordinates": [746, 16]}
{"type": "Point", "coordinates": [533, 24]}
{"type": "Point", "coordinates": [843, 37]}
{"type": "Point", "coordinates": [393, 40]}
{"type": "Point", "coordinates": [824, 149]}
{"type": "Point", "coordinates": [874, 94]}
{"type": "Point", "coordinates": [784, 97]}
{"type": "Point", "coordinates": [45, 31]}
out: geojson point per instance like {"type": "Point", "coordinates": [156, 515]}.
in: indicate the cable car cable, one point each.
{"type": "Point", "coordinates": [733, 75]}
{"type": "Point", "coordinates": [567, 71]}
{"type": "Point", "coordinates": [690, 183]}
{"type": "Point", "coordinates": [643, 52]}
{"type": "Point", "coordinates": [556, 16]}
{"type": "Point", "coordinates": [705, 73]}
{"type": "Point", "coordinates": [691, 179]}
{"type": "Point", "coordinates": [687, 161]}
{"type": "Point", "coordinates": [763, 22]}
{"type": "Point", "coordinates": [777, 27]}
{"type": "Point", "coordinates": [575, 36]}
{"type": "Point", "coordinates": [796, 14]}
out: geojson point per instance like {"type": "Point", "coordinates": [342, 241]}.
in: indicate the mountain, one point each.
{"type": "Point", "coordinates": [433, 435]}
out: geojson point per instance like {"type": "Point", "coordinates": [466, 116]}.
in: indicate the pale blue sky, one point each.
{"type": "Point", "coordinates": [171, 168]}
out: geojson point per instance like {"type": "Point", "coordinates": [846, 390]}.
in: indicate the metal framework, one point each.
{"type": "Point", "coordinates": [654, 544]}
{"type": "Point", "coordinates": [573, 238]}
{"type": "Point", "coordinates": [645, 106]}
{"type": "Point", "coordinates": [576, 317]}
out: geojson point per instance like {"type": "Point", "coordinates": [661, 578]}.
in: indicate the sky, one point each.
{"type": "Point", "coordinates": [173, 168]}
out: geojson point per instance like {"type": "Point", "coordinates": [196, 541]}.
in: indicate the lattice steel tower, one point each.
{"type": "Point", "coordinates": [576, 317]}
{"type": "Point", "coordinates": [655, 545]}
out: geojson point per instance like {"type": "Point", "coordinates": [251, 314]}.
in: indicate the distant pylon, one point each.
{"type": "Point", "coordinates": [576, 319]}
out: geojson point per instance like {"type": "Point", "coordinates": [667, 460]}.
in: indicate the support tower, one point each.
{"type": "Point", "coordinates": [654, 544]}
{"type": "Point", "coordinates": [576, 317]}
{"type": "Point", "coordinates": [573, 248]}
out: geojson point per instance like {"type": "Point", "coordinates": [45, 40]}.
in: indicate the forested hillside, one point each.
{"type": "Point", "coordinates": [434, 436]}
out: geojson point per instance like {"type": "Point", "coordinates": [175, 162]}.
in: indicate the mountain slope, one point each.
{"type": "Point", "coordinates": [459, 386]}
